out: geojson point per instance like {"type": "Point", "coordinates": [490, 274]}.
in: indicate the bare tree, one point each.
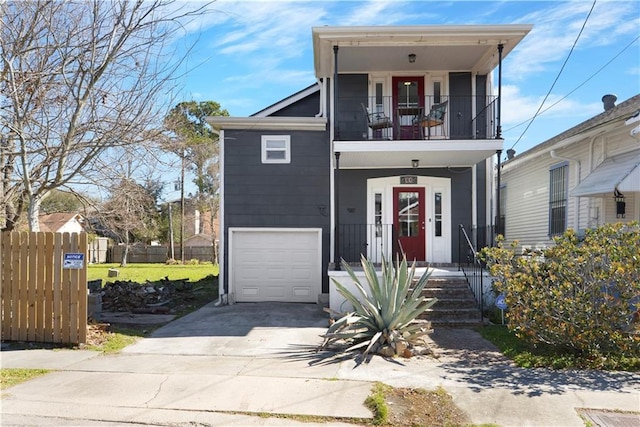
{"type": "Point", "coordinates": [79, 78]}
{"type": "Point", "coordinates": [130, 213]}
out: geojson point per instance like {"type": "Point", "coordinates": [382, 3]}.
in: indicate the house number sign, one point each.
{"type": "Point", "coordinates": [408, 180]}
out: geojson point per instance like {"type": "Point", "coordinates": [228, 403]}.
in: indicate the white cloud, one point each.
{"type": "Point", "coordinates": [556, 28]}
{"type": "Point", "coordinates": [518, 109]}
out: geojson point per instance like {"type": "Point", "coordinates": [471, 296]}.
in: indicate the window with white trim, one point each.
{"type": "Point", "coordinates": [558, 195]}
{"type": "Point", "coordinates": [276, 149]}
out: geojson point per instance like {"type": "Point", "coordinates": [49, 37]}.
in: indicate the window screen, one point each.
{"type": "Point", "coordinates": [558, 183]}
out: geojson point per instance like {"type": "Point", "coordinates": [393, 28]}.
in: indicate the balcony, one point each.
{"type": "Point", "coordinates": [383, 118]}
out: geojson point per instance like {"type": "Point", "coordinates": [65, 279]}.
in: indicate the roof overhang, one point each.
{"type": "Point", "coordinates": [437, 47]}
{"type": "Point", "coordinates": [289, 124]}
{"type": "Point", "coordinates": [621, 172]}
{"type": "Point", "coordinates": [399, 154]}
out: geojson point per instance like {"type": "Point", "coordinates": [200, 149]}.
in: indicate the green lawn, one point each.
{"type": "Point", "coordinates": [545, 356]}
{"type": "Point", "coordinates": [11, 377]}
{"type": "Point", "coordinates": [152, 272]}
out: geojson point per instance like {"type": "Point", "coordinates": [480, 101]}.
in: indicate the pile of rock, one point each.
{"type": "Point", "coordinates": [150, 297]}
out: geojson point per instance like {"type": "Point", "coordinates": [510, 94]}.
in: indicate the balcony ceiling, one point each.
{"type": "Point", "coordinates": [449, 48]}
{"type": "Point", "coordinates": [399, 154]}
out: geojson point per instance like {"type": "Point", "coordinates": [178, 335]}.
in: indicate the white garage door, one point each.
{"type": "Point", "coordinates": [269, 264]}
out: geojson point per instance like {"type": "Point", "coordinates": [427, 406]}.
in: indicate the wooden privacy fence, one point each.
{"type": "Point", "coordinates": [43, 287]}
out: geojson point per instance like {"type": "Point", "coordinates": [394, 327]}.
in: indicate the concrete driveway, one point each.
{"type": "Point", "coordinates": [219, 365]}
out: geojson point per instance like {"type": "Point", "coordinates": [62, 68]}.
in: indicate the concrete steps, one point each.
{"type": "Point", "coordinates": [456, 306]}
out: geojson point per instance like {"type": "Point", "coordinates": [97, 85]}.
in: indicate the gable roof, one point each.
{"type": "Point", "coordinates": [287, 101]}
{"type": "Point", "coordinates": [619, 113]}
{"type": "Point", "coordinates": [55, 221]}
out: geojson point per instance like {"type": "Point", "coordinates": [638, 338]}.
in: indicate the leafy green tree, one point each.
{"type": "Point", "coordinates": [62, 201]}
{"type": "Point", "coordinates": [582, 294]}
{"type": "Point", "coordinates": [197, 145]}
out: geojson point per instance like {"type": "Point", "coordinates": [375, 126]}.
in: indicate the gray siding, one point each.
{"type": "Point", "coordinates": [460, 113]}
{"type": "Point", "coordinates": [481, 185]}
{"type": "Point", "coordinates": [277, 195]}
{"type": "Point", "coordinates": [353, 92]}
{"type": "Point", "coordinates": [481, 109]}
{"type": "Point", "coordinates": [307, 107]}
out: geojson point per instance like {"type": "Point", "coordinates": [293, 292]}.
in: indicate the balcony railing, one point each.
{"type": "Point", "coordinates": [465, 117]}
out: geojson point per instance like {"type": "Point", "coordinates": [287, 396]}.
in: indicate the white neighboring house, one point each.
{"type": "Point", "coordinates": [582, 178]}
{"type": "Point", "coordinates": [62, 222]}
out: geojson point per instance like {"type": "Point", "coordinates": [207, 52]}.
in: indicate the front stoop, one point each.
{"type": "Point", "coordinates": [456, 306]}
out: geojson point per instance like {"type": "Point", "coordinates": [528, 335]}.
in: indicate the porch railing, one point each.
{"type": "Point", "coordinates": [372, 240]}
{"type": "Point", "coordinates": [472, 267]}
{"type": "Point", "coordinates": [466, 117]}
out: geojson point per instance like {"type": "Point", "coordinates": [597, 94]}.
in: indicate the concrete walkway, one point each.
{"type": "Point", "coordinates": [219, 365]}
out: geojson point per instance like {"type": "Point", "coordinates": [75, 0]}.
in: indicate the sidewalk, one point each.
{"type": "Point", "coordinates": [218, 365]}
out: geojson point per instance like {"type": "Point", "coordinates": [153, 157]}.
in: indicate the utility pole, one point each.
{"type": "Point", "coordinates": [182, 210]}
{"type": "Point", "coordinates": [171, 243]}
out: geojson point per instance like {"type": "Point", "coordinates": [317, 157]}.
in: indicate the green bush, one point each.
{"type": "Point", "coordinates": [582, 294]}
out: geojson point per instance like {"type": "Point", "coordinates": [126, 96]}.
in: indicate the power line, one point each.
{"type": "Point", "coordinates": [581, 84]}
{"type": "Point", "coordinates": [584, 24]}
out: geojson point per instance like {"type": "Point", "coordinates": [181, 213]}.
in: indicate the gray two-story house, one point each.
{"type": "Point", "coordinates": [389, 152]}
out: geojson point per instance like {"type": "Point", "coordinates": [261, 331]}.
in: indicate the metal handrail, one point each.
{"type": "Point", "coordinates": [472, 269]}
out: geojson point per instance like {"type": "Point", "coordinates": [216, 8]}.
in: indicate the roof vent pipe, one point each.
{"type": "Point", "coordinates": [609, 101]}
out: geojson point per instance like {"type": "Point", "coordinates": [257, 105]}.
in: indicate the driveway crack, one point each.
{"type": "Point", "coordinates": [157, 391]}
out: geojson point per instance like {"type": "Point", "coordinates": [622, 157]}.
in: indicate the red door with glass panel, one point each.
{"type": "Point", "coordinates": [408, 208]}
{"type": "Point", "coordinates": [408, 106]}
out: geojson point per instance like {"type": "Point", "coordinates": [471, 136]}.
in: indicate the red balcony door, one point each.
{"type": "Point", "coordinates": [408, 207]}
{"type": "Point", "coordinates": [408, 106]}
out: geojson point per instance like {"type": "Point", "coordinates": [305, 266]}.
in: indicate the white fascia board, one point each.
{"type": "Point", "coordinates": [318, 124]}
{"type": "Point", "coordinates": [541, 150]}
{"type": "Point", "coordinates": [420, 34]}
{"type": "Point", "coordinates": [633, 119]}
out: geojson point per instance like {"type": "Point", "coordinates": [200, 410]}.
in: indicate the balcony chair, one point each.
{"type": "Point", "coordinates": [436, 117]}
{"type": "Point", "coordinates": [378, 122]}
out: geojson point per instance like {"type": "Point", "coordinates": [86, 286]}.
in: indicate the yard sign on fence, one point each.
{"type": "Point", "coordinates": [41, 300]}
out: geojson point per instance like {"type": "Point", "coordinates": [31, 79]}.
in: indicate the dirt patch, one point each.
{"type": "Point", "coordinates": [416, 407]}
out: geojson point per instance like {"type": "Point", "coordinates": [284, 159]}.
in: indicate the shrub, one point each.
{"type": "Point", "coordinates": [581, 294]}
{"type": "Point", "coordinates": [384, 319]}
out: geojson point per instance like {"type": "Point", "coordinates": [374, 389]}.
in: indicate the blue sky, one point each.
{"type": "Point", "coordinates": [251, 54]}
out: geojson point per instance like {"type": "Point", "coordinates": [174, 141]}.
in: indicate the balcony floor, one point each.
{"type": "Point", "coordinates": [399, 153]}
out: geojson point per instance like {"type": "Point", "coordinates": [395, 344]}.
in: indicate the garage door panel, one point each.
{"type": "Point", "coordinates": [275, 273]}
{"type": "Point", "coordinates": [250, 274]}
{"type": "Point", "coordinates": [275, 292]}
{"type": "Point", "coordinates": [301, 292]}
{"type": "Point", "coordinates": [250, 292]}
{"type": "Point", "coordinates": [275, 265]}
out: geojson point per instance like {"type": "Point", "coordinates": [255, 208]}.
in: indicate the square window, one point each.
{"type": "Point", "coordinates": [276, 149]}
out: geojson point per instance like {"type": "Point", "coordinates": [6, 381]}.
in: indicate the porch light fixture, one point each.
{"type": "Point", "coordinates": [412, 58]}
{"type": "Point", "coordinates": [415, 163]}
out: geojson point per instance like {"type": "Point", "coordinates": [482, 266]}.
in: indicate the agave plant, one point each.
{"type": "Point", "coordinates": [384, 318]}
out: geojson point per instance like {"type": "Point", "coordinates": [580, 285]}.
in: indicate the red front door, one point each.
{"type": "Point", "coordinates": [408, 106]}
{"type": "Point", "coordinates": [408, 208]}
